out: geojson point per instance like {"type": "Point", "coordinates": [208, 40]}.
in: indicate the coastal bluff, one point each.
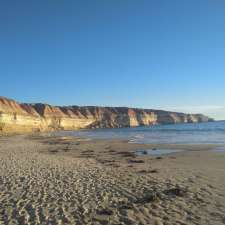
{"type": "Point", "coordinates": [21, 117]}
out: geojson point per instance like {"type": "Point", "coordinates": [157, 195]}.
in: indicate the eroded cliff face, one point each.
{"type": "Point", "coordinates": [18, 118]}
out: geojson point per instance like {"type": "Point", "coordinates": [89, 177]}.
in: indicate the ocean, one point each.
{"type": "Point", "coordinates": [196, 133]}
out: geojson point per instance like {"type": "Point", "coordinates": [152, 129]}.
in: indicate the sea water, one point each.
{"type": "Point", "coordinates": [195, 133]}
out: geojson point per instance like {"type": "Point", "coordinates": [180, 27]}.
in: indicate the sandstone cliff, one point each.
{"type": "Point", "coordinates": [16, 117]}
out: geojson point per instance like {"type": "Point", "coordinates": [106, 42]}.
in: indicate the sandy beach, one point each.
{"type": "Point", "coordinates": [69, 180]}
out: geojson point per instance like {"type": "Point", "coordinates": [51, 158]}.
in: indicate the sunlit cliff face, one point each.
{"type": "Point", "coordinates": [15, 117]}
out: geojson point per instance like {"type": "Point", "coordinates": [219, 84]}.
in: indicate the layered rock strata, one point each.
{"type": "Point", "coordinates": [19, 118]}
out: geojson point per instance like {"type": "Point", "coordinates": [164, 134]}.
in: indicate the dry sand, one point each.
{"type": "Point", "coordinates": [52, 180]}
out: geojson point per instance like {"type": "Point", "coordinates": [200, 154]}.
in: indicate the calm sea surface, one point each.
{"type": "Point", "coordinates": [201, 133]}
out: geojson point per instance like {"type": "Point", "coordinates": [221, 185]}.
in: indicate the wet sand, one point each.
{"type": "Point", "coordinates": [63, 180]}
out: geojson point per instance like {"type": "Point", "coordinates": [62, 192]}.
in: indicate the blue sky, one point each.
{"type": "Point", "coordinates": [141, 53]}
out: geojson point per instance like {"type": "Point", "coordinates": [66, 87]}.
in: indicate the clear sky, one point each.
{"type": "Point", "coordinates": [167, 54]}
